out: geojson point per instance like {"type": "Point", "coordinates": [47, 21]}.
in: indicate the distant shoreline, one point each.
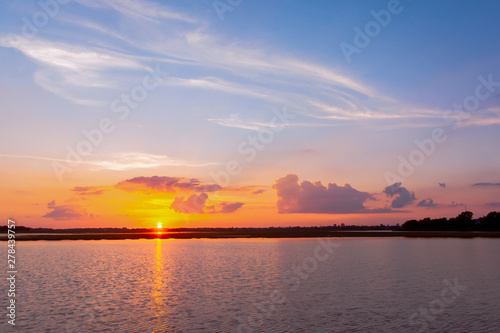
{"type": "Point", "coordinates": [252, 234]}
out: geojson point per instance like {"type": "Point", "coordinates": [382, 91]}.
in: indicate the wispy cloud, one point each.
{"type": "Point", "coordinates": [487, 117]}
{"type": "Point", "coordinates": [321, 92]}
{"type": "Point", "coordinates": [143, 10]}
{"type": "Point", "coordinates": [88, 190]}
{"type": "Point", "coordinates": [71, 57]}
{"type": "Point", "coordinates": [486, 184]}
{"type": "Point", "coordinates": [213, 83]}
{"type": "Point", "coordinates": [69, 71]}
{"type": "Point", "coordinates": [124, 161]}
{"type": "Point", "coordinates": [359, 112]}
{"type": "Point", "coordinates": [236, 120]}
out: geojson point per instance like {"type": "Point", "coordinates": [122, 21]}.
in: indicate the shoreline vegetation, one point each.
{"type": "Point", "coordinates": [463, 226]}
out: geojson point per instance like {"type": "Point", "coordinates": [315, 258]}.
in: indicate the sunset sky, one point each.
{"type": "Point", "coordinates": [121, 113]}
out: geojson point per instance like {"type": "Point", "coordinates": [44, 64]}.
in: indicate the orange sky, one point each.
{"type": "Point", "coordinates": [35, 200]}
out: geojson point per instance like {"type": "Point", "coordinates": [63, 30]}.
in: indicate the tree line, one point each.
{"type": "Point", "coordinates": [463, 222]}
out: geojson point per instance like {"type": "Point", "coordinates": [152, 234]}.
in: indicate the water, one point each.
{"type": "Point", "coordinates": [255, 285]}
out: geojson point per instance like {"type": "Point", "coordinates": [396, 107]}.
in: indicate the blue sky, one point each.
{"type": "Point", "coordinates": [219, 80]}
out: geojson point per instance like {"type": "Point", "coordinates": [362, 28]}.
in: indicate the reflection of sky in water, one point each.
{"type": "Point", "coordinates": [217, 285]}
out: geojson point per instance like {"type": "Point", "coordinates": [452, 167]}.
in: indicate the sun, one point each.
{"type": "Point", "coordinates": [159, 225]}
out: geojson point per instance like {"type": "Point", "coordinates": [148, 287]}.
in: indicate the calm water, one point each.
{"type": "Point", "coordinates": [353, 285]}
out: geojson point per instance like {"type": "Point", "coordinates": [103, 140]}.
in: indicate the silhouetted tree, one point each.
{"type": "Point", "coordinates": [463, 222]}
{"type": "Point", "coordinates": [490, 222]}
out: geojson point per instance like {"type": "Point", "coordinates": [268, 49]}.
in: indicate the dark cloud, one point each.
{"type": "Point", "coordinates": [403, 196]}
{"type": "Point", "coordinates": [486, 184]}
{"type": "Point", "coordinates": [89, 190]}
{"type": "Point", "coordinates": [493, 204]}
{"type": "Point", "coordinates": [315, 198]}
{"type": "Point", "coordinates": [258, 192]}
{"type": "Point", "coordinates": [67, 212]}
{"type": "Point", "coordinates": [443, 185]}
{"type": "Point", "coordinates": [165, 184]}
{"type": "Point", "coordinates": [456, 204]}
{"type": "Point", "coordinates": [427, 203]}
{"type": "Point", "coordinates": [196, 204]}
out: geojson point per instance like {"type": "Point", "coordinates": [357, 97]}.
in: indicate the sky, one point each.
{"type": "Point", "coordinates": [237, 113]}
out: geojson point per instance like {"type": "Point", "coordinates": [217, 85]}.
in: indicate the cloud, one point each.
{"type": "Point", "coordinates": [259, 191]}
{"type": "Point", "coordinates": [486, 184]}
{"type": "Point", "coordinates": [216, 84]}
{"type": "Point", "coordinates": [403, 196]}
{"type": "Point", "coordinates": [196, 201]}
{"type": "Point", "coordinates": [131, 160]}
{"type": "Point", "coordinates": [224, 207]}
{"type": "Point", "coordinates": [123, 161]}
{"type": "Point", "coordinates": [69, 57]}
{"type": "Point", "coordinates": [67, 212]}
{"type": "Point", "coordinates": [315, 198]}
{"type": "Point", "coordinates": [74, 72]}
{"type": "Point", "coordinates": [164, 35]}
{"type": "Point", "coordinates": [143, 10]}
{"type": "Point", "coordinates": [486, 117]}
{"type": "Point", "coordinates": [196, 204]}
{"type": "Point", "coordinates": [443, 185]}
{"type": "Point", "coordinates": [89, 190]}
{"type": "Point", "coordinates": [426, 203]}
{"type": "Point", "coordinates": [96, 56]}
{"type": "Point", "coordinates": [493, 204]}
{"type": "Point", "coordinates": [456, 204]}
{"type": "Point", "coordinates": [235, 121]}
{"type": "Point", "coordinates": [165, 184]}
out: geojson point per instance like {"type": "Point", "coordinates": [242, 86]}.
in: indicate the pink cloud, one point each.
{"type": "Point", "coordinates": [313, 197]}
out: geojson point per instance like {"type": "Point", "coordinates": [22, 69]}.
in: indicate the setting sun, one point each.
{"type": "Point", "coordinates": [159, 225]}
